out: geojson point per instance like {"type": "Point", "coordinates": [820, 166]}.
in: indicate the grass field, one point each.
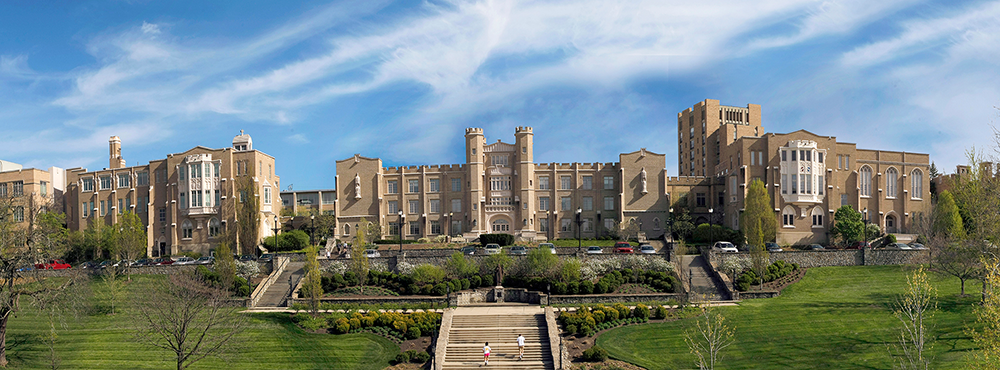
{"type": "Point", "coordinates": [92, 339]}
{"type": "Point", "coordinates": [834, 318]}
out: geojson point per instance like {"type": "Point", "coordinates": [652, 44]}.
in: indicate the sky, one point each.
{"type": "Point", "coordinates": [313, 82]}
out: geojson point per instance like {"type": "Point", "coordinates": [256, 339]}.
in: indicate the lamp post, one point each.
{"type": "Point", "coordinates": [402, 220]}
{"type": "Point", "coordinates": [275, 235]}
{"type": "Point", "coordinates": [312, 230]}
{"type": "Point", "coordinates": [711, 226]}
{"type": "Point", "coordinates": [865, 212]}
{"type": "Point", "coordinates": [579, 222]}
{"type": "Point", "coordinates": [670, 224]}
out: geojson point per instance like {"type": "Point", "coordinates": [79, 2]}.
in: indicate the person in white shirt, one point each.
{"type": "Point", "coordinates": [486, 353]}
{"type": "Point", "coordinates": [520, 346]}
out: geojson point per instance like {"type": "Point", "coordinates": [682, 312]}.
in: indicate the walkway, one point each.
{"type": "Point", "coordinates": [279, 291]}
{"type": "Point", "coordinates": [695, 270]}
{"type": "Point", "coordinates": [472, 327]}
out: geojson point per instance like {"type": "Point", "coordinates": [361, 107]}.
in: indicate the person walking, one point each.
{"type": "Point", "coordinates": [486, 354]}
{"type": "Point", "coordinates": [520, 347]}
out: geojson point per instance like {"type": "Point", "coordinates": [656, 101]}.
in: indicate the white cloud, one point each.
{"type": "Point", "coordinates": [297, 139]}
{"type": "Point", "coordinates": [150, 28]}
{"type": "Point", "coordinates": [826, 17]}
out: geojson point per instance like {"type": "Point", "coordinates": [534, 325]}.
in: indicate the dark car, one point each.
{"type": "Point", "coordinates": [518, 250]}
{"type": "Point", "coordinates": [815, 247]}
{"type": "Point", "coordinates": [266, 257]}
{"type": "Point", "coordinates": [162, 261]}
{"type": "Point", "coordinates": [623, 247]}
{"type": "Point", "coordinates": [859, 245]}
{"type": "Point", "coordinates": [205, 260]}
{"type": "Point", "coordinates": [52, 265]}
{"type": "Point", "coordinates": [469, 249]}
{"type": "Point", "coordinates": [773, 247]}
{"type": "Point", "coordinates": [143, 262]}
{"type": "Point", "coordinates": [248, 258]}
{"type": "Point", "coordinates": [90, 265]}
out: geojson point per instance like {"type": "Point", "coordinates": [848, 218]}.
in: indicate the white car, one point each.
{"type": "Point", "coordinates": [184, 261]}
{"type": "Point", "coordinates": [551, 247]}
{"type": "Point", "coordinates": [725, 247]}
{"type": "Point", "coordinates": [594, 250]}
{"type": "Point", "coordinates": [646, 248]}
{"type": "Point", "coordinates": [493, 248]}
{"type": "Point", "coordinates": [371, 253]}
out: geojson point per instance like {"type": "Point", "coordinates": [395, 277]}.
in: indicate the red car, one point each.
{"type": "Point", "coordinates": [858, 245]}
{"type": "Point", "coordinates": [623, 247]}
{"type": "Point", "coordinates": [163, 261]}
{"type": "Point", "coordinates": [52, 265]}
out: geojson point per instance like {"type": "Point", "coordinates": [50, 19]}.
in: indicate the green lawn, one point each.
{"type": "Point", "coordinates": [835, 318]}
{"type": "Point", "coordinates": [95, 340]}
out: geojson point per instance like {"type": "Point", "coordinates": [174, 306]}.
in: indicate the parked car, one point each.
{"type": "Point", "coordinates": [623, 247]}
{"type": "Point", "coordinates": [184, 261]}
{"type": "Point", "coordinates": [248, 258]}
{"type": "Point", "coordinates": [266, 257]}
{"type": "Point", "coordinates": [899, 246]}
{"type": "Point", "coordinates": [206, 260]}
{"type": "Point", "coordinates": [918, 246]}
{"type": "Point", "coordinates": [52, 265]}
{"type": "Point", "coordinates": [26, 268]}
{"type": "Point", "coordinates": [647, 249]}
{"type": "Point", "coordinates": [468, 249]}
{"type": "Point", "coordinates": [162, 261]}
{"type": "Point", "coordinates": [725, 247]}
{"type": "Point", "coordinates": [549, 246]}
{"type": "Point", "coordinates": [372, 253]}
{"type": "Point", "coordinates": [493, 248]}
{"type": "Point", "coordinates": [142, 262]}
{"type": "Point", "coordinates": [773, 247]}
{"type": "Point", "coordinates": [859, 245]}
{"type": "Point", "coordinates": [518, 250]}
{"type": "Point", "coordinates": [90, 265]}
{"type": "Point", "coordinates": [594, 250]}
{"type": "Point", "coordinates": [816, 247]}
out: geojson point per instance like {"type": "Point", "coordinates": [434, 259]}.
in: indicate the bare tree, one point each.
{"type": "Point", "coordinates": [627, 229]}
{"type": "Point", "coordinates": [913, 309]}
{"type": "Point", "coordinates": [709, 337]}
{"type": "Point", "coordinates": [190, 319]}
{"type": "Point", "coordinates": [130, 237]}
{"type": "Point", "coordinates": [247, 212]}
{"type": "Point", "coordinates": [113, 290]}
{"type": "Point", "coordinates": [957, 259]}
{"type": "Point", "coordinates": [67, 301]}
{"type": "Point", "coordinates": [359, 261]}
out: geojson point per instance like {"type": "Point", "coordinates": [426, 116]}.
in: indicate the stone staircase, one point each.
{"type": "Point", "coordinates": [279, 291]}
{"type": "Point", "coordinates": [471, 329]}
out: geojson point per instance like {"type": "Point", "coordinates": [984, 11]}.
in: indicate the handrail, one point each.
{"type": "Point", "coordinates": [279, 268]}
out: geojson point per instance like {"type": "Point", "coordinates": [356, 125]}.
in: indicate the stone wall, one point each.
{"type": "Point", "coordinates": [140, 270]}
{"type": "Point", "coordinates": [853, 257]}
{"type": "Point", "coordinates": [617, 298]}
{"type": "Point", "coordinates": [404, 300]}
{"type": "Point", "coordinates": [441, 259]}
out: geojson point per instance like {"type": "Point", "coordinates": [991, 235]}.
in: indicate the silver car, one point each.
{"type": "Point", "coordinates": [493, 248]}
{"type": "Point", "coordinates": [646, 248]}
{"type": "Point", "coordinates": [725, 247]}
{"type": "Point", "coordinates": [184, 261]}
{"type": "Point", "coordinates": [594, 250]}
{"type": "Point", "coordinates": [518, 250]}
{"type": "Point", "coordinates": [371, 253]}
{"type": "Point", "coordinates": [551, 247]}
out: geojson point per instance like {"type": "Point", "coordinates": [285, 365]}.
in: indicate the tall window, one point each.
{"type": "Point", "coordinates": [213, 227]}
{"type": "Point", "coordinates": [917, 184]}
{"type": "Point", "coordinates": [817, 217]}
{"type": "Point", "coordinates": [414, 228]}
{"type": "Point", "coordinates": [19, 214]}
{"type": "Point", "coordinates": [456, 184]}
{"type": "Point", "coordinates": [414, 207]}
{"type": "Point", "coordinates": [588, 203]}
{"type": "Point", "coordinates": [84, 211]}
{"type": "Point", "coordinates": [500, 183]}
{"type": "Point", "coordinates": [105, 182]}
{"type": "Point", "coordinates": [88, 184]}
{"type": "Point", "coordinates": [329, 198]}
{"type": "Point", "coordinates": [163, 214]}
{"type": "Point", "coordinates": [543, 183]}
{"type": "Point", "coordinates": [588, 224]}
{"type": "Point", "coordinates": [435, 227]}
{"type": "Point", "coordinates": [543, 203]}
{"type": "Point", "coordinates": [699, 199]}
{"type": "Point", "coordinates": [218, 169]}
{"type": "Point", "coordinates": [565, 224]}
{"type": "Point", "coordinates": [435, 185]}
{"type": "Point", "coordinates": [890, 182]}
{"type": "Point", "coordinates": [392, 187]}
{"type": "Point", "coordinates": [435, 205]}
{"type": "Point", "coordinates": [588, 182]}
{"type": "Point", "coordinates": [564, 182]}
{"type": "Point", "coordinates": [267, 195]}
{"type": "Point", "coordinates": [104, 209]}
{"type": "Point", "coordinates": [196, 198]}
{"type": "Point", "coordinates": [609, 203]}
{"type": "Point", "coordinates": [187, 231]}
{"type": "Point", "coordinates": [784, 184]}
{"type": "Point", "coordinates": [414, 186]}
{"type": "Point", "coordinates": [499, 160]}
{"type": "Point", "coordinates": [195, 170]}
{"type": "Point", "coordinates": [609, 182]}
{"type": "Point", "coordinates": [788, 217]}
{"type": "Point", "coordinates": [181, 172]}
{"type": "Point", "coordinates": [543, 224]}
{"type": "Point", "coordinates": [566, 204]}
{"type": "Point", "coordinates": [820, 180]}
{"type": "Point", "coordinates": [182, 200]}
{"type": "Point", "coordinates": [843, 199]}
{"type": "Point", "coordinates": [456, 205]}
{"type": "Point", "coordinates": [142, 178]}
{"type": "Point", "coordinates": [393, 207]}
{"type": "Point", "coordinates": [609, 223]}
{"type": "Point", "coordinates": [865, 181]}
{"type": "Point", "coordinates": [121, 205]}
{"type": "Point", "coordinates": [456, 227]}
{"type": "Point", "coordinates": [3, 189]}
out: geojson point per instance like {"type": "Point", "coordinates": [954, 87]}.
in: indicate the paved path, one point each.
{"type": "Point", "coordinates": [695, 269]}
{"type": "Point", "coordinates": [280, 290]}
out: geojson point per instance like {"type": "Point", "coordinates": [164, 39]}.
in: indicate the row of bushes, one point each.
{"type": "Point", "coordinates": [404, 284]}
{"type": "Point", "coordinates": [658, 280]}
{"type": "Point", "coordinates": [412, 356]}
{"type": "Point", "coordinates": [288, 241]}
{"type": "Point", "coordinates": [240, 288]}
{"type": "Point", "coordinates": [775, 271]}
{"type": "Point", "coordinates": [587, 320]}
{"type": "Point", "coordinates": [395, 241]}
{"type": "Point", "coordinates": [392, 324]}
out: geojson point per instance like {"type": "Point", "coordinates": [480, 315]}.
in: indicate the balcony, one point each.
{"type": "Point", "coordinates": [195, 211]}
{"type": "Point", "coordinates": [499, 209]}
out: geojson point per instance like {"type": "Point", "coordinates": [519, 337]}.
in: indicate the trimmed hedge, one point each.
{"type": "Point", "coordinates": [775, 271]}
{"type": "Point", "coordinates": [502, 239]}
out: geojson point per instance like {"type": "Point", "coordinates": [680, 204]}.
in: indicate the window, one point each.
{"type": "Point", "coordinates": [543, 183]}
{"type": "Point", "coordinates": [392, 187]}
{"type": "Point", "coordinates": [456, 227]}
{"type": "Point", "coordinates": [807, 184]}
{"type": "Point", "coordinates": [435, 227]}
{"type": "Point", "coordinates": [843, 199]}
{"type": "Point", "coordinates": [500, 183]}
{"type": "Point", "coordinates": [104, 209]}
{"type": "Point", "coordinates": [543, 203]}
{"type": "Point", "coordinates": [566, 204]}
{"type": "Point", "coordinates": [500, 225]}
{"type": "Point", "coordinates": [865, 181]}
{"type": "Point", "coordinates": [414, 228]}
{"type": "Point", "coordinates": [435, 206]}
{"type": "Point", "coordinates": [163, 214]}
{"type": "Point", "coordinates": [121, 205]}
{"type": "Point", "coordinates": [105, 182]}
{"type": "Point", "coordinates": [456, 205]}
{"type": "Point", "coordinates": [890, 182]}
{"type": "Point", "coordinates": [182, 200]}
{"type": "Point", "coordinates": [195, 170]}
{"type": "Point", "coordinates": [142, 178]}
{"type": "Point", "coordinates": [588, 224]}
{"type": "Point", "coordinates": [784, 184]}
{"type": "Point", "coordinates": [218, 169]}
{"type": "Point", "coordinates": [394, 228]}
{"type": "Point", "coordinates": [564, 183]}
{"type": "Point", "coordinates": [788, 217]}
{"type": "Point", "coordinates": [795, 184]}
{"type": "Point", "coordinates": [3, 189]}
{"type": "Point", "coordinates": [499, 160]}
{"type": "Point", "coordinates": [500, 201]}
{"type": "Point", "coordinates": [819, 157]}
{"type": "Point", "coordinates": [329, 198]}
{"type": "Point", "coordinates": [847, 161]}
{"type": "Point", "coordinates": [414, 186]}
{"type": "Point", "coordinates": [218, 197]}
{"type": "Point", "coordinates": [840, 161]}
{"type": "Point", "coordinates": [393, 207]}
{"type": "Point", "coordinates": [414, 207]}
{"type": "Point", "coordinates": [161, 176]}
{"type": "Point", "coordinates": [543, 224]}
{"type": "Point", "coordinates": [609, 223]}
{"type": "Point", "coordinates": [456, 184]}
{"type": "Point", "coordinates": [588, 203]}
{"type": "Point", "coordinates": [809, 155]}
{"type": "Point", "coordinates": [267, 195]}
{"type": "Point", "coordinates": [817, 217]}
{"type": "Point", "coordinates": [609, 203]}
{"type": "Point", "coordinates": [609, 182]}
{"type": "Point", "coordinates": [187, 231]}
{"type": "Point", "coordinates": [760, 158]}
{"type": "Point", "coordinates": [784, 155]}
{"type": "Point", "coordinates": [213, 227]}
{"type": "Point", "coordinates": [819, 187]}
{"type": "Point", "coordinates": [208, 169]}
{"type": "Point", "coordinates": [916, 184]}
{"type": "Point", "coordinates": [43, 188]}
{"type": "Point", "coordinates": [181, 171]}
{"type": "Point", "coordinates": [195, 198]}
{"type": "Point", "coordinates": [84, 211]}
{"type": "Point", "coordinates": [19, 214]}
{"type": "Point", "coordinates": [140, 203]}
{"type": "Point", "coordinates": [656, 223]}
{"type": "Point", "coordinates": [564, 224]}
{"type": "Point", "coordinates": [88, 185]}
{"type": "Point", "coordinates": [753, 159]}
{"type": "Point", "coordinates": [435, 185]}
{"type": "Point", "coordinates": [700, 199]}
{"type": "Point", "coordinates": [588, 182]}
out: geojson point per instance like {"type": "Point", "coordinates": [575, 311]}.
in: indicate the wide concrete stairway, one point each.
{"type": "Point", "coordinates": [278, 292]}
{"type": "Point", "coordinates": [472, 327]}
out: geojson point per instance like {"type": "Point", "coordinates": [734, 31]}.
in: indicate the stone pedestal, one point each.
{"type": "Point", "coordinates": [498, 295]}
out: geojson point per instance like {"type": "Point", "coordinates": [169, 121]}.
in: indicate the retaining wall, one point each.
{"type": "Point", "coordinates": [617, 298]}
{"type": "Point", "coordinates": [864, 257]}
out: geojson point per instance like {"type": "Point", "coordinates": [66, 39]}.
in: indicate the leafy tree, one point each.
{"type": "Point", "coordinates": [933, 173]}
{"type": "Point", "coordinates": [427, 274]}
{"type": "Point", "coordinates": [247, 212]}
{"type": "Point", "coordinates": [757, 221]}
{"type": "Point", "coordinates": [312, 286]}
{"type": "Point", "coordinates": [460, 266]}
{"type": "Point", "coordinates": [491, 263]}
{"type": "Point", "coordinates": [130, 237]}
{"type": "Point", "coordinates": [847, 224]}
{"type": "Point", "coordinates": [627, 229]}
{"type": "Point", "coordinates": [542, 263]}
{"type": "Point", "coordinates": [947, 220]}
{"type": "Point", "coordinates": [682, 225]}
{"type": "Point", "coordinates": [225, 265]}
{"type": "Point", "coordinates": [570, 270]}
{"type": "Point", "coordinates": [915, 307]}
{"type": "Point", "coordinates": [987, 337]}
{"type": "Point", "coordinates": [359, 261]}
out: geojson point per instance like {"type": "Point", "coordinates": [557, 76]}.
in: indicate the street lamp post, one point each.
{"type": "Point", "coordinates": [670, 224]}
{"type": "Point", "coordinates": [866, 226]}
{"type": "Point", "coordinates": [579, 222]}
{"type": "Point", "coordinates": [312, 230]}
{"type": "Point", "coordinates": [711, 226]}
{"type": "Point", "coordinates": [275, 235]}
{"type": "Point", "coordinates": [402, 220]}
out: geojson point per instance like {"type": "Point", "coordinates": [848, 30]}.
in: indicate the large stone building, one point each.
{"type": "Point", "coordinates": [179, 198]}
{"type": "Point", "coordinates": [31, 189]}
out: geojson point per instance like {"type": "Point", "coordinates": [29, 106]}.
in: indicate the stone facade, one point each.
{"type": "Point", "coordinates": [864, 257]}
{"type": "Point", "coordinates": [31, 189]}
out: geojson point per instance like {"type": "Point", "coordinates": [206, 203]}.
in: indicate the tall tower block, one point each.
{"type": "Point", "coordinates": [475, 162]}
{"type": "Point", "coordinates": [525, 176]}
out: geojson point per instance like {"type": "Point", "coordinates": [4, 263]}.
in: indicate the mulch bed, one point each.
{"type": "Point", "coordinates": [784, 281]}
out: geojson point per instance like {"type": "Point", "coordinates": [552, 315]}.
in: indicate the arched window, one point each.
{"type": "Point", "coordinates": [501, 225]}
{"type": "Point", "coordinates": [656, 223]}
{"type": "Point", "coordinates": [213, 227]}
{"type": "Point", "coordinates": [347, 229]}
{"type": "Point", "coordinates": [890, 182]}
{"type": "Point", "coordinates": [865, 181]}
{"type": "Point", "coordinates": [817, 217]}
{"type": "Point", "coordinates": [187, 231]}
{"type": "Point", "coordinates": [917, 184]}
{"type": "Point", "coordinates": [788, 217]}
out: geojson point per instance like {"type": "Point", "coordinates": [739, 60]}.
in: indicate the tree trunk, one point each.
{"type": "Point", "coordinates": [963, 287]}
{"type": "Point", "coordinates": [3, 341]}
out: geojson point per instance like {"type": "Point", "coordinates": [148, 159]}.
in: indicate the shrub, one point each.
{"type": "Point", "coordinates": [559, 288]}
{"type": "Point", "coordinates": [423, 241]}
{"type": "Point", "coordinates": [475, 281]}
{"type": "Point", "coordinates": [342, 326]}
{"type": "Point", "coordinates": [427, 274]}
{"type": "Point", "coordinates": [240, 287]}
{"type": "Point", "coordinates": [465, 284]}
{"type": "Point", "coordinates": [502, 239]}
{"type": "Point", "coordinates": [355, 323]}
{"type": "Point", "coordinates": [641, 311]}
{"type": "Point", "coordinates": [660, 312]}
{"type": "Point", "coordinates": [413, 333]}
{"type": "Point", "coordinates": [440, 289]}
{"type": "Point", "coordinates": [401, 358]}
{"type": "Point", "coordinates": [595, 354]}
{"type": "Point", "coordinates": [571, 328]}
{"type": "Point", "coordinates": [313, 323]}
{"type": "Point", "coordinates": [586, 287]}
{"type": "Point", "coordinates": [421, 357]}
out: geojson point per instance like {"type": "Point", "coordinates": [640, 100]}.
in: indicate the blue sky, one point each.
{"type": "Point", "coordinates": [315, 81]}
